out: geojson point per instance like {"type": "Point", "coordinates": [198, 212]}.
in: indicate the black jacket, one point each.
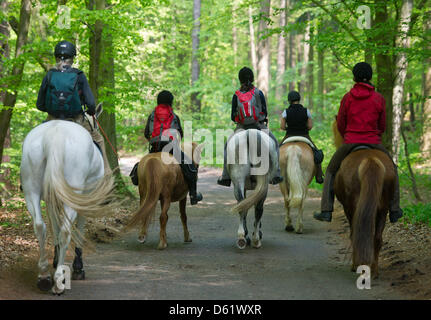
{"type": "Point", "coordinates": [87, 97]}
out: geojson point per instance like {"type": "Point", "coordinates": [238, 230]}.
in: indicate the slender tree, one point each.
{"type": "Point", "coordinates": [401, 64]}
{"type": "Point", "coordinates": [280, 88]}
{"type": "Point", "coordinates": [196, 102]}
{"type": "Point", "coordinates": [10, 97]}
{"type": "Point", "coordinates": [264, 49]}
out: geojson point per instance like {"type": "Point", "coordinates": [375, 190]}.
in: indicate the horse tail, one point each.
{"type": "Point", "coordinates": [255, 197]}
{"type": "Point", "coordinates": [151, 177]}
{"type": "Point", "coordinates": [92, 202]}
{"type": "Point", "coordinates": [297, 184]}
{"type": "Point", "coordinates": [371, 174]}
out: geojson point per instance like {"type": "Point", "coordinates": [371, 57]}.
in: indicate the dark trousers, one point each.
{"type": "Point", "coordinates": [327, 202]}
{"type": "Point", "coordinates": [319, 171]}
{"type": "Point", "coordinates": [189, 170]}
{"type": "Point", "coordinates": [259, 126]}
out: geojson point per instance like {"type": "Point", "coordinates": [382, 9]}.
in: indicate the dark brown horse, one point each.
{"type": "Point", "coordinates": [364, 185]}
{"type": "Point", "coordinates": [165, 182]}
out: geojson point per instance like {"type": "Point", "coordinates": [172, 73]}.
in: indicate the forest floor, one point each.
{"type": "Point", "coordinates": [313, 265]}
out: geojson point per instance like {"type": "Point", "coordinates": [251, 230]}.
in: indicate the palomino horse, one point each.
{"type": "Point", "coordinates": [159, 180]}
{"type": "Point", "coordinates": [245, 175]}
{"type": "Point", "coordinates": [298, 168]}
{"type": "Point", "coordinates": [364, 185]}
{"type": "Point", "coordinates": [62, 166]}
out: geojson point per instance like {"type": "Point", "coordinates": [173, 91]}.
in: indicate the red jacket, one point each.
{"type": "Point", "coordinates": [362, 115]}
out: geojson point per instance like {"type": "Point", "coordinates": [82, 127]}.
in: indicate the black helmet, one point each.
{"type": "Point", "coordinates": [65, 48]}
{"type": "Point", "coordinates": [362, 72]}
{"type": "Point", "coordinates": [293, 96]}
{"type": "Point", "coordinates": [245, 75]}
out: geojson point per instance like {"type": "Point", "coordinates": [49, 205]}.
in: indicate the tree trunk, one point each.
{"type": "Point", "coordinates": [280, 88]}
{"type": "Point", "coordinates": [264, 50]}
{"type": "Point", "coordinates": [426, 106]}
{"type": "Point", "coordinates": [252, 39]}
{"type": "Point", "coordinates": [292, 58]}
{"type": "Point", "coordinates": [196, 102]}
{"type": "Point", "coordinates": [384, 69]}
{"type": "Point", "coordinates": [321, 82]}
{"type": "Point", "coordinates": [10, 97]}
{"type": "Point", "coordinates": [310, 67]}
{"type": "Point", "coordinates": [401, 64]}
{"type": "Point", "coordinates": [102, 83]}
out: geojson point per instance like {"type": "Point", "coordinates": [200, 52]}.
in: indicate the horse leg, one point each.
{"type": "Point", "coordinates": [378, 241]}
{"type": "Point", "coordinates": [257, 234]}
{"type": "Point", "coordinates": [299, 225]}
{"type": "Point", "coordinates": [165, 203]}
{"type": "Point", "coordinates": [63, 241]}
{"type": "Point", "coordinates": [78, 265]}
{"type": "Point", "coordinates": [183, 203]}
{"type": "Point", "coordinates": [44, 281]}
{"type": "Point", "coordinates": [242, 228]}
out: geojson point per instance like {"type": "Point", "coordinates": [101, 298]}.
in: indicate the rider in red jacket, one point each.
{"type": "Point", "coordinates": [361, 120]}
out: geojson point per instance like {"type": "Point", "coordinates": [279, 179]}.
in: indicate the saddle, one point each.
{"type": "Point", "coordinates": [318, 154]}
{"type": "Point", "coordinates": [361, 147]}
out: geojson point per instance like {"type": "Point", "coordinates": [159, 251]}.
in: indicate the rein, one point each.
{"type": "Point", "coordinates": [106, 137]}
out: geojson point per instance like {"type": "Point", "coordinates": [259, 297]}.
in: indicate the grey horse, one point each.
{"type": "Point", "coordinates": [251, 163]}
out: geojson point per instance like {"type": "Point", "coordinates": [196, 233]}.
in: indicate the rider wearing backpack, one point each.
{"type": "Point", "coordinates": [64, 92]}
{"type": "Point", "coordinates": [249, 111]}
{"type": "Point", "coordinates": [361, 120]}
{"type": "Point", "coordinates": [296, 120]}
{"type": "Point", "coordinates": [162, 129]}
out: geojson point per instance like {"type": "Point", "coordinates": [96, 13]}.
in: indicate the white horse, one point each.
{"type": "Point", "coordinates": [62, 166]}
{"type": "Point", "coordinates": [298, 169]}
{"type": "Point", "coordinates": [243, 150]}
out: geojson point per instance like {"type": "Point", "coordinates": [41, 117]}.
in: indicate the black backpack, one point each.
{"type": "Point", "coordinates": [62, 96]}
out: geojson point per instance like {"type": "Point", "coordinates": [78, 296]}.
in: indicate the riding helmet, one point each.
{"type": "Point", "coordinates": [65, 49]}
{"type": "Point", "coordinates": [362, 72]}
{"type": "Point", "coordinates": [293, 96]}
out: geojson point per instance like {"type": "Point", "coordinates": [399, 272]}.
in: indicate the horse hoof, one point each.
{"type": "Point", "coordinates": [44, 284]}
{"type": "Point", "coordinates": [78, 275]}
{"type": "Point", "coordinates": [188, 240]}
{"type": "Point", "coordinates": [299, 231]}
{"type": "Point", "coordinates": [162, 246]}
{"type": "Point", "coordinates": [142, 239]}
{"type": "Point", "coordinates": [241, 243]}
{"type": "Point", "coordinates": [289, 228]}
{"type": "Point", "coordinates": [257, 244]}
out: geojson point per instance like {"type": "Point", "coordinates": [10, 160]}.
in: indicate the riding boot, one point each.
{"type": "Point", "coordinates": [319, 173]}
{"type": "Point", "coordinates": [395, 212]}
{"type": "Point", "coordinates": [327, 201]}
{"type": "Point", "coordinates": [190, 173]}
{"type": "Point", "coordinates": [224, 180]}
{"type": "Point", "coordinates": [278, 177]}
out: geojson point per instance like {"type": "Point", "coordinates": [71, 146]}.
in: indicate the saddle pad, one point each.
{"type": "Point", "coordinates": [299, 139]}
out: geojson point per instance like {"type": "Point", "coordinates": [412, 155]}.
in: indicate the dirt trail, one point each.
{"type": "Point", "coordinates": [313, 265]}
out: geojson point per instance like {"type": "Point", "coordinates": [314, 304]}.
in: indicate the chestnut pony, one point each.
{"type": "Point", "coordinates": [298, 168]}
{"type": "Point", "coordinates": [160, 178]}
{"type": "Point", "coordinates": [364, 185]}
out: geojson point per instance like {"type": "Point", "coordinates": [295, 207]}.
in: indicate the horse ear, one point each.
{"type": "Point", "coordinates": [99, 110]}
{"type": "Point", "coordinates": [197, 152]}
